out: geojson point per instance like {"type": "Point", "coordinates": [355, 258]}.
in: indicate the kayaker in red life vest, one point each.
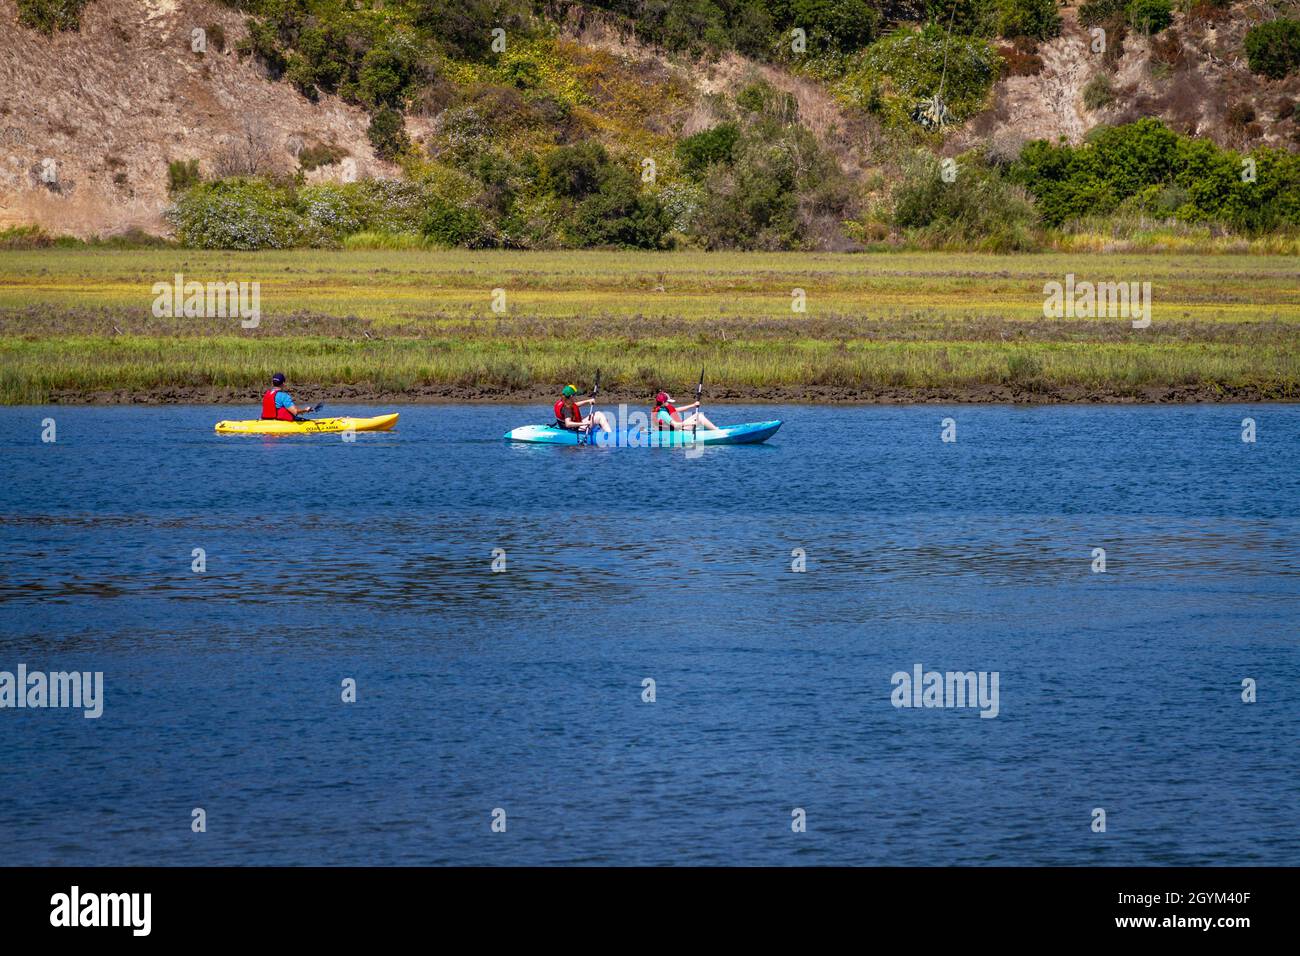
{"type": "Point", "coordinates": [568, 411]}
{"type": "Point", "coordinates": [667, 416]}
{"type": "Point", "coordinates": [278, 404]}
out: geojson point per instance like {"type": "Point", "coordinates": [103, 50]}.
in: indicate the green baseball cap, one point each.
{"type": "Point", "coordinates": [569, 390]}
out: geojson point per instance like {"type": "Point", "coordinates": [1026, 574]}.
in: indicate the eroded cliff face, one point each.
{"type": "Point", "coordinates": [1193, 75]}
{"type": "Point", "coordinates": [89, 119]}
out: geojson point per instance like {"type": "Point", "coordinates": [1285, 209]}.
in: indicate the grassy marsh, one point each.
{"type": "Point", "coordinates": [76, 325]}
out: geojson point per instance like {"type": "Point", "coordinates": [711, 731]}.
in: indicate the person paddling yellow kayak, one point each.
{"type": "Point", "coordinates": [277, 404]}
{"type": "Point", "coordinates": [280, 416]}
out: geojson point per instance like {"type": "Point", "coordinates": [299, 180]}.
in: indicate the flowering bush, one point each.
{"type": "Point", "coordinates": [235, 214]}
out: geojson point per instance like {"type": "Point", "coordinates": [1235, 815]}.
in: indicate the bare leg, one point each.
{"type": "Point", "coordinates": [698, 420]}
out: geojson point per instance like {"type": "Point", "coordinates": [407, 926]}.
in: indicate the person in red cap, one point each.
{"type": "Point", "coordinates": [666, 415]}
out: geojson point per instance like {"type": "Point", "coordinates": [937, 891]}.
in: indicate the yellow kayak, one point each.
{"type": "Point", "coordinates": [312, 426]}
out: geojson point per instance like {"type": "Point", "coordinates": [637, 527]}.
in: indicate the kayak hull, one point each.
{"type": "Point", "coordinates": [747, 434]}
{"type": "Point", "coordinates": [314, 426]}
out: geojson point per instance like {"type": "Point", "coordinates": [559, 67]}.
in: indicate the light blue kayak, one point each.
{"type": "Point", "coordinates": [746, 434]}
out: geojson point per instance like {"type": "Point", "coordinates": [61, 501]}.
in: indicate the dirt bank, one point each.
{"type": "Point", "coordinates": [813, 395]}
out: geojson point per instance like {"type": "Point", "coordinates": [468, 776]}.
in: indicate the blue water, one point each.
{"type": "Point", "coordinates": [522, 690]}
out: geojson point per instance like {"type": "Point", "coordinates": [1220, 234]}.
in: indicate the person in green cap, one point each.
{"type": "Point", "coordinates": [568, 412]}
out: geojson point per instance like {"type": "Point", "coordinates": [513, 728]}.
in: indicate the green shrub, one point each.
{"type": "Point", "coordinates": [262, 43]}
{"type": "Point", "coordinates": [450, 225]}
{"type": "Point", "coordinates": [235, 214]}
{"type": "Point", "coordinates": [1149, 16]}
{"type": "Point", "coordinates": [1162, 201]}
{"type": "Point", "coordinates": [320, 154]}
{"type": "Point", "coordinates": [977, 207]}
{"type": "Point", "coordinates": [976, 18]}
{"type": "Point", "coordinates": [575, 171]}
{"type": "Point", "coordinates": [717, 145]}
{"type": "Point", "coordinates": [617, 214]}
{"type": "Point", "coordinates": [757, 28]}
{"type": "Point", "coordinates": [388, 205]}
{"type": "Point", "coordinates": [834, 25]}
{"type": "Point", "coordinates": [352, 49]}
{"type": "Point", "coordinates": [464, 26]}
{"type": "Point", "coordinates": [1273, 49]}
{"type": "Point", "coordinates": [1274, 197]}
{"type": "Point", "coordinates": [752, 28]}
{"type": "Point", "coordinates": [327, 58]}
{"type": "Point", "coordinates": [1096, 12]}
{"type": "Point", "coordinates": [385, 75]}
{"type": "Point", "coordinates": [907, 67]}
{"type": "Point", "coordinates": [753, 205]}
{"type": "Point", "coordinates": [762, 97]}
{"type": "Point", "coordinates": [182, 174]}
{"type": "Point", "coordinates": [1028, 18]}
{"type": "Point", "coordinates": [600, 199]}
{"type": "Point", "coordinates": [387, 133]}
{"type": "Point", "coordinates": [694, 25]}
{"type": "Point", "coordinates": [1098, 92]}
{"type": "Point", "coordinates": [51, 15]}
{"type": "Point", "coordinates": [25, 237]}
{"type": "Point", "coordinates": [1146, 165]}
{"type": "Point", "coordinates": [779, 190]}
{"type": "Point", "coordinates": [298, 71]}
{"type": "Point", "coordinates": [523, 74]}
{"type": "Point", "coordinates": [329, 213]}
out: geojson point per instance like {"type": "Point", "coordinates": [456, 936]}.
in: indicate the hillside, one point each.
{"type": "Point", "coordinates": [114, 101]}
{"type": "Point", "coordinates": [748, 145]}
{"type": "Point", "coordinates": [1194, 76]}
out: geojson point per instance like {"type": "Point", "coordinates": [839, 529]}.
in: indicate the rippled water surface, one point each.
{"type": "Point", "coordinates": [522, 690]}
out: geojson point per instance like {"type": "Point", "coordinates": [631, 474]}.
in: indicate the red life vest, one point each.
{"type": "Point", "coordinates": [672, 413]}
{"type": "Point", "coordinates": [270, 411]}
{"type": "Point", "coordinates": [560, 413]}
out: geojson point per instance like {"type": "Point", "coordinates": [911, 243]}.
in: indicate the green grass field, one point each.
{"type": "Point", "coordinates": [76, 325]}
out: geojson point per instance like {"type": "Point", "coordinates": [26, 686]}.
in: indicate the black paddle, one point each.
{"type": "Point", "coordinates": [699, 389]}
{"type": "Point", "coordinates": [591, 429]}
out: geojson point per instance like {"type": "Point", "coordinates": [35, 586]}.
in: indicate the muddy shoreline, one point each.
{"type": "Point", "coordinates": [1017, 394]}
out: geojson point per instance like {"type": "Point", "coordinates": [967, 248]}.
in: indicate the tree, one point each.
{"type": "Point", "coordinates": [1273, 49]}
{"type": "Point", "coordinates": [1028, 18]}
{"type": "Point", "coordinates": [387, 133]}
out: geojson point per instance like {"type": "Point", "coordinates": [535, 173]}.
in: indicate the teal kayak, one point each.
{"type": "Point", "coordinates": [746, 434]}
